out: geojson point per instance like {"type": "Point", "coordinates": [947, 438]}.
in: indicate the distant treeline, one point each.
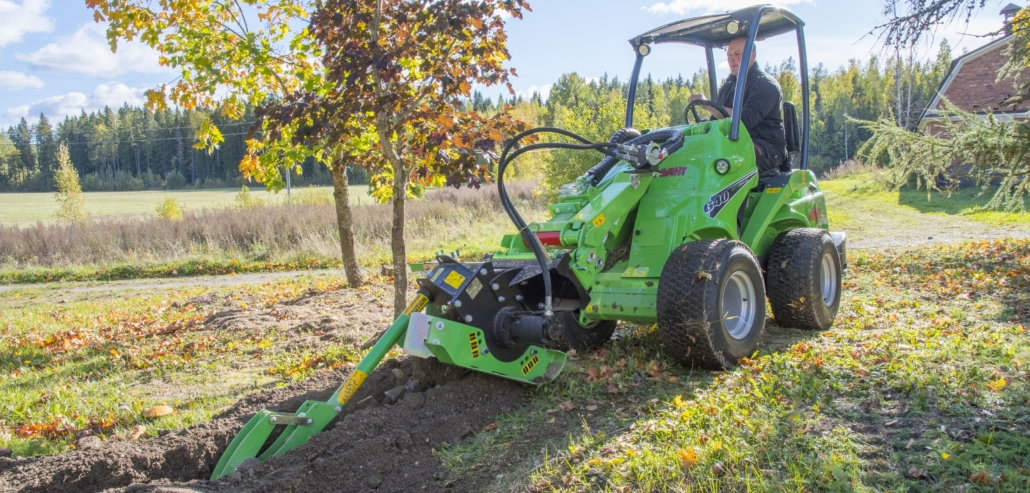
{"type": "Point", "coordinates": [133, 148]}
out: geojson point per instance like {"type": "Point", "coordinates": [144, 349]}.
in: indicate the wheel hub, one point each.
{"type": "Point", "coordinates": [828, 279]}
{"type": "Point", "coordinates": [738, 305]}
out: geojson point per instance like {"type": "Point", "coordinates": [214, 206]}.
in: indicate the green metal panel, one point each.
{"type": "Point", "coordinates": [462, 345]}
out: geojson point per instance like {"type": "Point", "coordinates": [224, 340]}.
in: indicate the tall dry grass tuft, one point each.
{"type": "Point", "coordinates": [274, 231]}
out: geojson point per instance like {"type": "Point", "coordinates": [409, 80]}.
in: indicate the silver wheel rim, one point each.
{"type": "Point", "coordinates": [828, 279]}
{"type": "Point", "coordinates": [738, 305]}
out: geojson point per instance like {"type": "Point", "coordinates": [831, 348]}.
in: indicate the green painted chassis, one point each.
{"type": "Point", "coordinates": [658, 210]}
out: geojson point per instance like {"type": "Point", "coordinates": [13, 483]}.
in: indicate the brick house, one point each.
{"type": "Point", "coordinates": [972, 83]}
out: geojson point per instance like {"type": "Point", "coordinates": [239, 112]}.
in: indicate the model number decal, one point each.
{"type": "Point", "coordinates": [723, 197]}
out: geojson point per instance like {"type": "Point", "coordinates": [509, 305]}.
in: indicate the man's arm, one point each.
{"type": "Point", "coordinates": [761, 102]}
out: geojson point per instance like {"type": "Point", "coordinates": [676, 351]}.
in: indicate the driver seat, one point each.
{"type": "Point", "coordinates": [792, 135]}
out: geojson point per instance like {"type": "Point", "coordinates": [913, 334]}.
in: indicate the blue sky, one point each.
{"type": "Point", "coordinates": [54, 59]}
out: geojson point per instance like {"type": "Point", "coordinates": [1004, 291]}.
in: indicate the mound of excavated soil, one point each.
{"type": "Point", "coordinates": [384, 440]}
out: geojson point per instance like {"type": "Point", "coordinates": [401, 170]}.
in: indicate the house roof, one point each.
{"type": "Point", "coordinates": [930, 112]}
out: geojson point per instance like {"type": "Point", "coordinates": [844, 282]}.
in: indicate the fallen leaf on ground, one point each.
{"type": "Point", "coordinates": [591, 408]}
{"type": "Point", "coordinates": [981, 477]}
{"type": "Point", "coordinates": [158, 411]}
{"type": "Point", "coordinates": [138, 432]}
{"type": "Point", "coordinates": [687, 458]}
{"type": "Point", "coordinates": [916, 473]}
{"type": "Point", "coordinates": [567, 406]}
{"type": "Point", "coordinates": [489, 427]}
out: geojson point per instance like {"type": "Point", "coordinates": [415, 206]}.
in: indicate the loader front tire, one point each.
{"type": "Point", "coordinates": [804, 279]}
{"type": "Point", "coordinates": [711, 303]}
{"type": "Point", "coordinates": [583, 337]}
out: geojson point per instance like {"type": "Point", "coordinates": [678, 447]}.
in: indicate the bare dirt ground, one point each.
{"type": "Point", "coordinates": [381, 442]}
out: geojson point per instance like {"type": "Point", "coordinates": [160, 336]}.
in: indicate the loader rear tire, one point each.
{"type": "Point", "coordinates": [711, 303]}
{"type": "Point", "coordinates": [804, 279]}
{"type": "Point", "coordinates": [583, 337]}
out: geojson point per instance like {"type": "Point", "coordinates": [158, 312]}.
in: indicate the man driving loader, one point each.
{"type": "Point", "coordinates": [761, 113]}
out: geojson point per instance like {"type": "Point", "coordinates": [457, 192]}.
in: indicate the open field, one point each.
{"type": "Point", "coordinates": [27, 209]}
{"type": "Point", "coordinates": [921, 385]}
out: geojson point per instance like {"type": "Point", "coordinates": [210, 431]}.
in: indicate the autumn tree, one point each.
{"type": "Point", "coordinates": [236, 53]}
{"type": "Point", "coordinates": [71, 205]}
{"type": "Point", "coordinates": [397, 73]}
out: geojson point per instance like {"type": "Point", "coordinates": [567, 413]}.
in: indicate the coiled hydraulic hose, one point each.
{"type": "Point", "coordinates": [618, 148]}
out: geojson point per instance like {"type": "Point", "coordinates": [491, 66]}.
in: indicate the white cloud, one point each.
{"type": "Point", "coordinates": [16, 20]}
{"type": "Point", "coordinates": [544, 90]}
{"type": "Point", "coordinates": [87, 52]}
{"type": "Point", "coordinates": [18, 80]}
{"type": "Point", "coordinates": [682, 7]}
{"type": "Point", "coordinates": [58, 107]}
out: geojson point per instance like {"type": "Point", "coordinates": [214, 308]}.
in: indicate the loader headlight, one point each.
{"type": "Point", "coordinates": [722, 166]}
{"type": "Point", "coordinates": [732, 27]}
{"type": "Point", "coordinates": [644, 49]}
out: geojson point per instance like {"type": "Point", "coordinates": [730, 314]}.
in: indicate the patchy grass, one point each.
{"type": "Point", "coordinates": [965, 202]}
{"type": "Point", "coordinates": [97, 364]}
{"type": "Point", "coordinates": [921, 385]}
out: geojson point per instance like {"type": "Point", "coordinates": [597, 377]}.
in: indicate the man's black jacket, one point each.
{"type": "Point", "coordinates": [761, 113]}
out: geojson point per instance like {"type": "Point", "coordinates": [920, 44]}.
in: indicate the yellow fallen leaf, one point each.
{"type": "Point", "coordinates": [998, 384]}
{"type": "Point", "coordinates": [688, 458]}
{"type": "Point", "coordinates": [945, 455]}
{"type": "Point", "coordinates": [678, 401]}
{"type": "Point", "coordinates": [158, 411]}
{"type": "Point", "coordinates": [715, 445]}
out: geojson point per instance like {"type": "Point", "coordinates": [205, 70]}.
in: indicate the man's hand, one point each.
{"type": "Point", "coordinates": [714, 112]}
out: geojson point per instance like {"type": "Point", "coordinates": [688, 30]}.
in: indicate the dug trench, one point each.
{"type": "Point", "coordinates": [385, 439]}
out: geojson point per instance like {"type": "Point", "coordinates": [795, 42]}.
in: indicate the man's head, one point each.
{"type": "Point", "coordinates": [735, 52]}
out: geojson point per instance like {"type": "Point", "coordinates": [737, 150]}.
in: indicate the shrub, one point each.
{"type": "Point", "coordinates": [312, 196]}
{"type": "Point", "coordinates": [246, 200]}
{"type": "Point", "coordinates": [174, 181]}
{"type": "Point", "coordinates": [125, 182]}
{"type": "Point", "coordinates": [169, 209]}
{"type": "Point", "coordinates": [71, 205]}
{"type": "Point", "coordinates": [92, 183]}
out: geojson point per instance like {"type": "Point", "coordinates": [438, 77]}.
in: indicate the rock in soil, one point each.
{"type": "Point", "coordinates": [389, 446]}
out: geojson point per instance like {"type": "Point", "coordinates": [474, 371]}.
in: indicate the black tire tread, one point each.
{"type": "Point", "coordinates": [685, 328]}
{"type": "Point", "coordinates": [793, 262]}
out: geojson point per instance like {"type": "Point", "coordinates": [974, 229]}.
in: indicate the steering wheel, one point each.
{"type": "Point", "coordinates": [692, 109]}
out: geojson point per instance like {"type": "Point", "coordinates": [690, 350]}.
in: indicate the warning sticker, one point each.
{"type": "Point", "coordinates": [474, 288]}
{"type": "Point", "coordinates": [436, 275]}
{"type": "Point", "coordinates": [474, 342]}
{"type": "Point", "coordinates": [354, 381]}
{"type": "Point", "coordinates": [417, 304]}
{"type": "Point", "coordinates": [529, 366]}
{"type": "Point", "coordinates": [773, 190]}
{"type": "Point", "coordinates": [454, 279]}
{"type": "Point", "coordinates": [599, 220]}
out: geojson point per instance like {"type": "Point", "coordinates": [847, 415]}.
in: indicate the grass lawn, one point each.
{"type": "Point", "coordinates": [26, 209]}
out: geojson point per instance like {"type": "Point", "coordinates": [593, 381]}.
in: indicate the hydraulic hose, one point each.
{"type": "Point", "coordinates": [626, 144]}
{"type": "Point", "coordinates": [528, 236]}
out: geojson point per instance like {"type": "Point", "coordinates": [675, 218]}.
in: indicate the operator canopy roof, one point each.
{"type": "Point", "coordinates": [715, 30]}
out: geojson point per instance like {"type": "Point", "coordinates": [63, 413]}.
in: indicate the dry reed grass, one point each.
{"type": "Point", "coordinates": [269, 232]}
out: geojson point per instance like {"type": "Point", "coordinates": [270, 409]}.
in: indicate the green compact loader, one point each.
{"type": "Point", "coordinates": [672, 226]}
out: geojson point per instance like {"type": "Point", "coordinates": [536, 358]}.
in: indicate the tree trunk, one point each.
{"type": "Point", "coordinates": [344, 223]}
{"type": "Point", "coordinates": [397, 246]}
